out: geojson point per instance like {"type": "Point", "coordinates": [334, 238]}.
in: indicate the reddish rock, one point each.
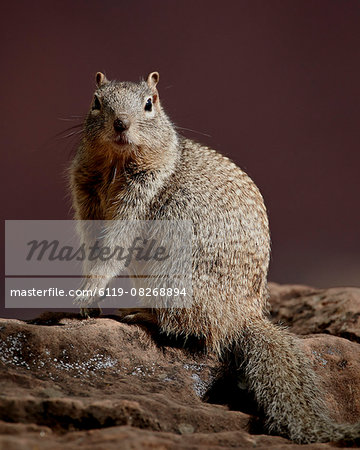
{"type": "Point", "coordinates": [307, 310]}
{"type": "Point", "coordinates": [98, 383]}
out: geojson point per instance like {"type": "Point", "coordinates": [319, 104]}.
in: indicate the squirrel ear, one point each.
{"type": "Point", "coordinates": [153, 79]}
{"type": "Point", "coordinates": [100, 79]}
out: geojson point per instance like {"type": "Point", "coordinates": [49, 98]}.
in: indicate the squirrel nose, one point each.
{"type": "Point", "coordinates": [121, 125]}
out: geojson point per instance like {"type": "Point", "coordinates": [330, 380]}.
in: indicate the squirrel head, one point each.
{"type": "Point", "coordinates": [127, 114]}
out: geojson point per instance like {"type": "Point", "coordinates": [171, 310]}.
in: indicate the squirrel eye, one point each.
{"type": "Point", "coordinates": [96, 104]}
{"type": "Point", "coordinates": [148, 105]}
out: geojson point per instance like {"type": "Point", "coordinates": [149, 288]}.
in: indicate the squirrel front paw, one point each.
{"type": "Point", "coordinates": [87, 313]}
{"type": "Point", "coordinates": [90, 293]}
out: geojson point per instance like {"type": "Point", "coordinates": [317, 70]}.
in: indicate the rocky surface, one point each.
{"type": "Point", "coordinates": [102, 384]}
{"type": "Point", "coordinates": [306, 310]}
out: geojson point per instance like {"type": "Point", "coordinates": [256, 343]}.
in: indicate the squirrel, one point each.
{"type": "Point", "coordinates": [132, 164]}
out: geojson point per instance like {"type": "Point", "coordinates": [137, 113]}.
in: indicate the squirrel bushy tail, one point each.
{"type": "Point", "coordinates": [285, 386]}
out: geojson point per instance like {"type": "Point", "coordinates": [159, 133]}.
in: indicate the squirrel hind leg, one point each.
{"type": "Point", "coordinates": [141, 316]}
{"type": "Point", "coordinates": [347, 433]}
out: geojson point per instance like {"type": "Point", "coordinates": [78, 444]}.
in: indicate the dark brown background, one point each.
{"type": "Point", "coordinates": [274, 83]}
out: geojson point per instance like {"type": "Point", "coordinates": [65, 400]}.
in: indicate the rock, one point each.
{"type": "Point", "coordinates": [307, 310]}
{"type": "Point", "coordinates": [99, 383]}
{"type": "Point", "coordinates": [337, 362]}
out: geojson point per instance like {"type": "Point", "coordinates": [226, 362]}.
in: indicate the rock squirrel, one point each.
{"type": "Point", "coordinates": [132, 164]}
